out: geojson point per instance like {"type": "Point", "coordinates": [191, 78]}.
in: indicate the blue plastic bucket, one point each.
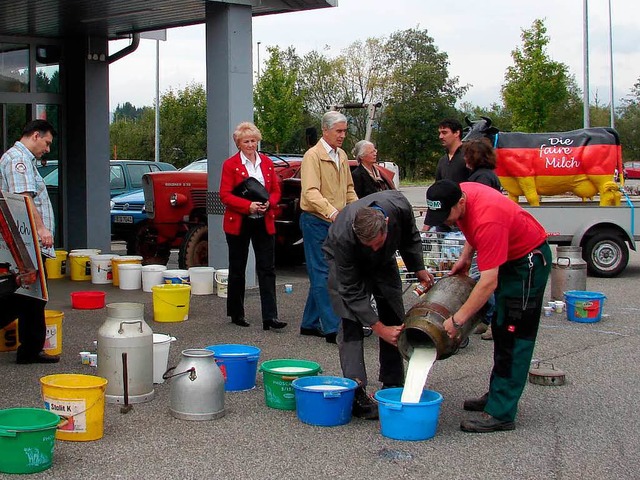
{"type": "Point", "coordinates": [584, 307]}
{"type": "Point", "coordinates": [408, 421]}
{"type": "Point", "coordinates": [324, 401]}
{"type": "Point", "coordinates": [239, 365]}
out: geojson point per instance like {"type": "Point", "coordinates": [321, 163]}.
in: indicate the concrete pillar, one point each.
{"type": "Point", "coordinates": [86, 192]}
{"type": "Point", "coordinates": [229, 102]}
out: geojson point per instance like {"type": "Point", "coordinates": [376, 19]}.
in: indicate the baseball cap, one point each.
{"type": "Point", "coordinates": [441, 197]}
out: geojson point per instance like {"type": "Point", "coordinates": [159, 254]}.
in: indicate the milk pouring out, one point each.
{"type": "Point", "coordinates": [420, 363]}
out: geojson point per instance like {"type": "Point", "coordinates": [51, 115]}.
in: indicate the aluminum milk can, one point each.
{"type": "Point", "coordinates": [568, 272]}
{"type": "Point", "coordinates": [423, 322]}
{"type": "Point", "coordinates": [197, 386]}
{"type": "Point", "coordinates": [125, 331]}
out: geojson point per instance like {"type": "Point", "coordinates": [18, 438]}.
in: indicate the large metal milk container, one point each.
{"type": "Point", "coordinates": [125, 332]}
{"type": "Point", "coordinates": [197, 386]}
{"type": "Point", "coordinates": [423, 324]}
{"type": "Point", "coordinates": [568, 272]}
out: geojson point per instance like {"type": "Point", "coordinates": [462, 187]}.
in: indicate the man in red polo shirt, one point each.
{"type": "Point", "coordinates": [514, 260]}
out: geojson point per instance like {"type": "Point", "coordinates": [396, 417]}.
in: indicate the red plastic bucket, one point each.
{"type": "Point", "coordinates": [87, 300]}
{"type": "Point", "coordinates": [584, 307]}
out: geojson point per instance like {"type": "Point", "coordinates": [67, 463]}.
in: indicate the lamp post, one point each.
{"type": "Point", "coordinates": [258, 70]}
{"type": "Point", "coordinates": [585, 37]}
{"type": "Point", "coordinates": [612, 108]}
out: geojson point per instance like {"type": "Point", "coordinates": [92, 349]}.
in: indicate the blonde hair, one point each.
{"type": "Point", "coordinates": [246, 129]}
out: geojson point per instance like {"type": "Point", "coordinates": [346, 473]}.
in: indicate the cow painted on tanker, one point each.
{"type": "Point", "coordinates": [583, 162]}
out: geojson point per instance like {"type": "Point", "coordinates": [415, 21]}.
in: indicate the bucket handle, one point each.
{"type": "Point", "coordinates": [139, 322]}
{"type": "Point", "coordinates": [332, 394]}
{"type": "Point", "coordinates": [169, 303]}
{"type": "Point", "coordinates": [8, 433]}
{"type": "Point", "coordinates": [191, 371]}
{"type": "Point", "coordinates": [392, 406]}
{"type": "Point", "coordinates": [253, 358]}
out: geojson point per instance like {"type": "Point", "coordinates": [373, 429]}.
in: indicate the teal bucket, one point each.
{"type": "Point", "coordinates": [27, 437]}
{"type": "Point", "coordinates": [277, 377]}
{"type": "Point", "coordinates": [584, 307]}
{"type": "Point", "coordinates": [408, 421]}
{"type": "Point", "coordinates": [324, 401]}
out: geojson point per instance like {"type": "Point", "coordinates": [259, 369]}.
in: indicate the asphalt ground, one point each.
{"type": "Point", "coordinates": [587, 428]}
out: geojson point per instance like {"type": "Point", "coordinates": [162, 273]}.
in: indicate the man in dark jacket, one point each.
{"type": "Point", "coordinates": [360, 250]}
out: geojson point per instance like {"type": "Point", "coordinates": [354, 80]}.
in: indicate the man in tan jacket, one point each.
{"type": "Point", "coordinates": [327, 187]}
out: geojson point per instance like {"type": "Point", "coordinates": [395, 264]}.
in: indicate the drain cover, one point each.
{"type": "Point", "coordinates": [546, 374]}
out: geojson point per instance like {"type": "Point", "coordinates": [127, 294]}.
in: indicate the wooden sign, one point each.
{"type": "Point", "coordinates": [21, 215]}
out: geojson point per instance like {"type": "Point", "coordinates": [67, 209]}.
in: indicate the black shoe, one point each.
{"type": "Point", "coordinates": [240, 321]}
{"type": "Point", "coordinates": [391, 385]}
{"type": "Point", "coordinates": [331, 337]}
{"type": "Point", "coordinates": [311, 332]}
{"type": "Point", "coordinates": [364, 406]}
{"type": "Point", "coordinates": [273, 323]}
{"type": "Point", "coordinates": [486, 424]}
{"type": "Point", "coordinates": [37, 358]}
{"type": "Point", "coordinates": [476, 404]}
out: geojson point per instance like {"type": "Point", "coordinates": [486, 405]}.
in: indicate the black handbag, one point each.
{"type": "Point", "coordinates": [251, 189]}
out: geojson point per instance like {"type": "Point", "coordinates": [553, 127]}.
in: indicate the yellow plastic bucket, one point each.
{"type": "Point", "coordinates": [122, 259]}
{"type": "Point", "coordinates": [53, 339]}
{"type": "Point", "coordinates": [80, 263]}
{"type": "Point", "coordinates": [57, 267]}
{"type": "Point", "coordinates": [171, 302]}
{"type": "Point", "coordinates": [9, 337]}
{"type": "Point", "coordinates": [79, 399]}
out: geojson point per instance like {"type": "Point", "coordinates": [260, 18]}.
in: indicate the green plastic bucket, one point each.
{"type": "Point", "coordinates": [27, 438]}
{"type": "Point", "coordinates": [277, 377]}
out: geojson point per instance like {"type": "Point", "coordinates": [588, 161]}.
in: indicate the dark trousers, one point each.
{"type": "Point", "coordinates": [387, 292]}
{"type": "Point", "coordinates": [31, 323]}
{"type": "Point", "coordinates": [519, 297]}
{"type": "Point", "coordinates": [253, 230]}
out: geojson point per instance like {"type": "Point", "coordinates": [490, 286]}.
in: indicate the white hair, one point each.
{"type": "Point", "coordinates": [358, 148]}
{"type": "Point", "coordinates": [329, 119]}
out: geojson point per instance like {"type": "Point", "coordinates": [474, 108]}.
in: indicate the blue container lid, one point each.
{"type": "Point", "coordinates": [231, 350]}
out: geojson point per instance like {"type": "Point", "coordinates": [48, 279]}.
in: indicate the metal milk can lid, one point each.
{"type": "Point", "coordinates": [542, 373]}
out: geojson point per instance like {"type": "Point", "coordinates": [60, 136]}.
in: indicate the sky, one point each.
{"type": "Point", "coordinates": [478, 37]}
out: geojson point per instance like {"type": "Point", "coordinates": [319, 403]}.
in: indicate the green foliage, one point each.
{"type": "Point", "coordinates": [277, 102]}
{"type": "Point", "coordinates": [127, 111]}
{"type": "Point", "coordinates": [420, 93]}
{"type": "Point", "coordinates": [628, 124]}
{"type": "Point", "coordinates": [536, 88]}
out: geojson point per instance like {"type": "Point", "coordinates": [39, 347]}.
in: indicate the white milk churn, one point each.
{"type": "Point", "coordinates": [125, 344]}
{"type": "Point", "coordinates": [568, 272]}
{"type": "Point", "coordinates": [197, 386]}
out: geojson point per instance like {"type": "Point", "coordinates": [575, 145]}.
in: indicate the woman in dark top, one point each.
{"type": "Point", "coordinates": [367, 178]}
{"type": "Point", "coordinates": [481, 160]}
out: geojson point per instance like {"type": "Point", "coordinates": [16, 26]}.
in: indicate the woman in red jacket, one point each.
{"type": "Point", "coordinates": [248, 221]}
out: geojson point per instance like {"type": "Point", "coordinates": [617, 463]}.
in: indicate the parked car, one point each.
{"type": "Point", "coordinates": [176, 207]}
{"type": "Point", "coordinates": [631, 170]}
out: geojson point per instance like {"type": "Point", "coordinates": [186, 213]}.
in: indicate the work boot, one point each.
{"type": "Point", "coordinates": [487, 335]}
{"type": "Point", "coordinates": [476, 404]}
{"type": "Point", "coordinates": [486, 423]}
{"type": "Point", "coordinates": [363, 405]}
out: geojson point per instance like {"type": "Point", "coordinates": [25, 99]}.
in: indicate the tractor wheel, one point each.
{"type": "Point", "coordinates": [144, 242]}
{"type": "Point", "coordinates": [194, 251]}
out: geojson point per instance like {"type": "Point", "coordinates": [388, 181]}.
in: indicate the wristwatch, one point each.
{"type": "Point", "coordinates": [456, 325]}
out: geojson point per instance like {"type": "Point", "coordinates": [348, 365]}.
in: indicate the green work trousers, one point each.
{"type": "Point", "coordinates": [519, 297]}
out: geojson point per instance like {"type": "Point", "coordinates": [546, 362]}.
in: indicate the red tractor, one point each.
{"type": "Point", "coordinates": [176, 207]}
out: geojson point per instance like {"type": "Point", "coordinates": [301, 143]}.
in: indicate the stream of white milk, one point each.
{"type": "Point", "coordinates": [420, 364]}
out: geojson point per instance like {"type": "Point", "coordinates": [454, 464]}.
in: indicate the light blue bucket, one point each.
{"type": "Point", "coordinates": [408, 421]}
{"type": "Point", "coordinates": [584, 307]}
{"type": "Point", "coordinates": [324, 401]}
{"type": "Point", "coordinates": [239, 365]}
{"type": "Point", "coordinates": [176, 276]}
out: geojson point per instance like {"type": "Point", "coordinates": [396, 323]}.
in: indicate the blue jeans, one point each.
{"type": "Point", "coordinates": [318, 312]}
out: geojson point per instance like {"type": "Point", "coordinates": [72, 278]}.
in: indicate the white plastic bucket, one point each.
{"type": "Point", "coordinates": [161, 346]}
{"type": "Point", "coordinates": [152, 275]}
{"type": "Point", "coordinates": [176, 276]}
{"type": "Point", "coordinates": [201, 279]}
{"type": "Point", "coordinates": [101, 269]}
{"type": "Point", "coordinates": [222, 278]}
{"type": "Point", "coordinates": [130, 276]}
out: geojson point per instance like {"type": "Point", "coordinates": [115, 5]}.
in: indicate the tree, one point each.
{"type": "Point", "coordinates": [628, 124]}
{"type": "Point", "coordinates": [421, 93]}
{"type": "Point", "coordinates": [277, 101]}
{"type": "Point", "coordinates": [127, 111]}
{"type": "Point", "coordinates": [536, 88]}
